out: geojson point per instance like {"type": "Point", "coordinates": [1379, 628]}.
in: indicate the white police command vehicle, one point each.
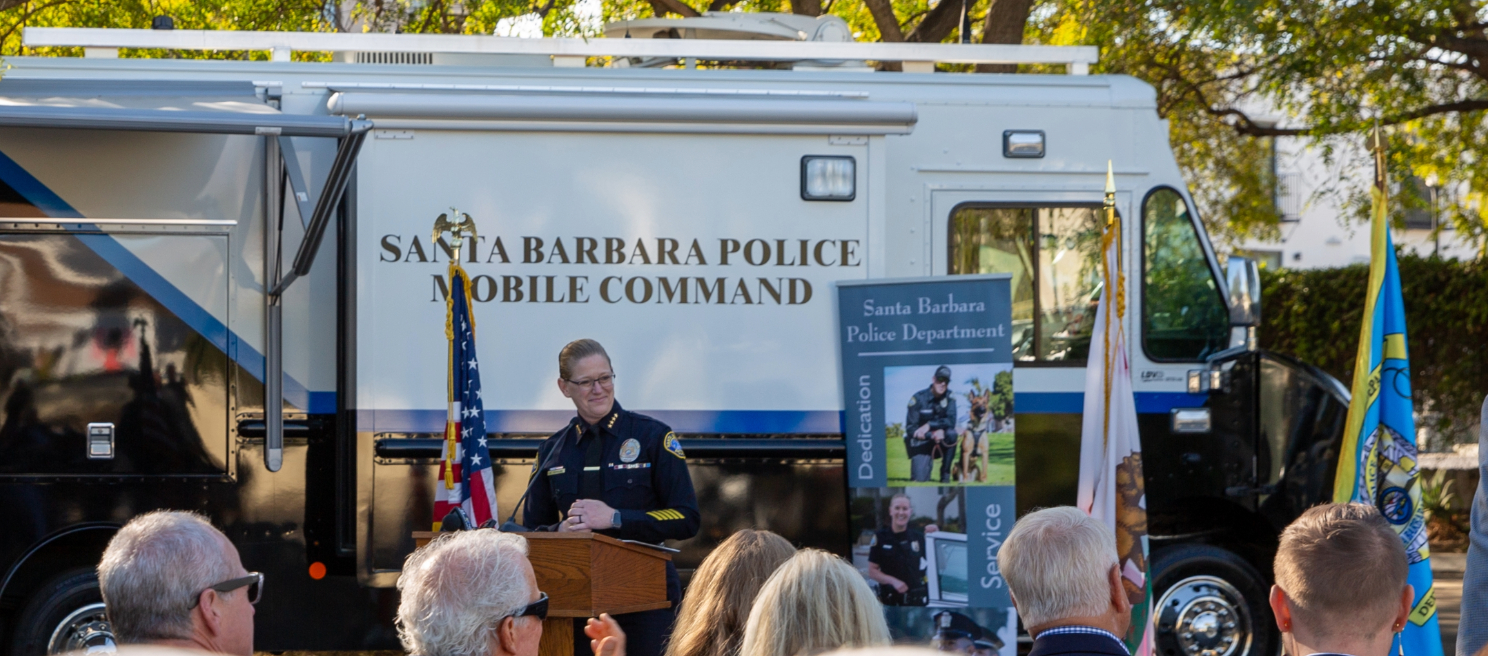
{"type": "Point", "coordinates": [222, 293]}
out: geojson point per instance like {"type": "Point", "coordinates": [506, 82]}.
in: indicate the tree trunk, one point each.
{"type": "Point", "coordinates": [806, 7]}
{"type": "Point", "coordinates": [884, 18]}
{"type": "Point", "coordinates": [1005, 22]}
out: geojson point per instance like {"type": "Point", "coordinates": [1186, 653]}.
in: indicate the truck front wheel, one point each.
{"type": "Point", "coordinates": [1210, 602]}
{"type": "Point", "coordinates": [65, 614]}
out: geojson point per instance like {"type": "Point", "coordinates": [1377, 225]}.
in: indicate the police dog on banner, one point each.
{"type": "Point", "coordinates": [973, 446]}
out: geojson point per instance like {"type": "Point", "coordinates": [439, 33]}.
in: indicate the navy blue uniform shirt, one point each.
{"type": "Point", "coordinates": [644, 476]}
{"type": "Point", "coordinates": [926, 409]}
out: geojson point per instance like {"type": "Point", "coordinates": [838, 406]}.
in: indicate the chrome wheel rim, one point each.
{"type": "Point", "coordinates": [1203, 616]}
{"type": "Point", "coordinates": [85, 629]}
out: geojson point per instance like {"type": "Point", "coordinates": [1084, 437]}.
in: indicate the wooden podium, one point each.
{"type": "Point", "coordinates": [586, 574]}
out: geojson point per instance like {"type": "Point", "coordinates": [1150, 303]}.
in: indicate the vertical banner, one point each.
{"type": "Point", "coordinates": [927, 380]}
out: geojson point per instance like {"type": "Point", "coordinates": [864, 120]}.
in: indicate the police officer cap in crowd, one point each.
{"type": "Point", "coordinates": [950, 625]}
{"type": "Point", "coordinates": [943, 373]}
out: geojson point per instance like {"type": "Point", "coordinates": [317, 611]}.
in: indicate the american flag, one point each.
{"type": "Point", "coordinates": [465, 480]}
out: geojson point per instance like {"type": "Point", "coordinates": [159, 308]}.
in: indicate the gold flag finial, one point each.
{"type": "Point", "coordinates": [458, 224]}
{"type": "Point", "coordinates": [1380, 149]}
{"type": "Point", "coordinates": [1110, 202]}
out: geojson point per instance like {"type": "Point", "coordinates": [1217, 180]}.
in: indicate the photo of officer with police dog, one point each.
{"type": "Point", "coordinates": [957, 428]}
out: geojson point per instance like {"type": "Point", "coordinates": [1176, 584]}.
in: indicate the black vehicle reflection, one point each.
{"type": "Point", "coordinates": [82, 343]}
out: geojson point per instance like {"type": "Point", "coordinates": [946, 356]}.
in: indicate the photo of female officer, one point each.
{"type": "Point", "coordinates": [896, 560]}
{"type": "Point", "coordinates": [617, 473]}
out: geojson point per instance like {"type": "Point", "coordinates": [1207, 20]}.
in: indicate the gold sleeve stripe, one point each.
{"type": "Point", "coordinates": [666, 514]}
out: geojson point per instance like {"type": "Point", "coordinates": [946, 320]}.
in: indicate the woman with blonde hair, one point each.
{"type": "Point", "coordinates": [711, 620]}
{"type": "Point", "coordinates": [814, 603]}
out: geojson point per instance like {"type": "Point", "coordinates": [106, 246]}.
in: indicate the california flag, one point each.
{"type": "Point", "coordinates": [1111, 485]}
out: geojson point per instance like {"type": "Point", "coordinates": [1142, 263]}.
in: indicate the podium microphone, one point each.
{"type": "Point", "coordinates": [511, 525]}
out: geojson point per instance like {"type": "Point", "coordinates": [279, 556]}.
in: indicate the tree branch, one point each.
{"type": "Point", "coordinates": [1475, 105]}
{"type": "Point", "coordinates": [663, 7]}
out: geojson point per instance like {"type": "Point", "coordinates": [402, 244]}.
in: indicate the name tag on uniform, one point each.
{"type": "Point", "coordinates": [630, 465]}
{"type": "Point", "coordinates": [554, 471]}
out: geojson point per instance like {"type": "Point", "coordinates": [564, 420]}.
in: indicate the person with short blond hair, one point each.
{"type": "Point", "coordinates": [815, 602]}
{"type": "Point", "coordinates": [713, 614]}
{"type": "Point", "coordinates": [1062, 573]}
{"type": "Point", "coordinates": [1340, 582]}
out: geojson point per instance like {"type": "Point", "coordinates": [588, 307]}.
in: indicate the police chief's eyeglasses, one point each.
{"type": "Point", "coordinates": [606, 381]}
{"type": "Point", "coordinates": [538, 609]}
{"type": "Point", "coordinates": [254, 582]}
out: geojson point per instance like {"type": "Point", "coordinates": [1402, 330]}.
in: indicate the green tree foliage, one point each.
{"type": "Point", "coordinates": [1002, 395]}
{"type": "Point", "coordinates": [1314, 315]}
{"type": "Point", "coordinates": [266, 15]}
{"type": "Point", "coordinates": [1338, 67]}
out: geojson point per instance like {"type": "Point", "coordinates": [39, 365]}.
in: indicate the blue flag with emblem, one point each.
{"type": "Point", "coordinates": [1378, 464]}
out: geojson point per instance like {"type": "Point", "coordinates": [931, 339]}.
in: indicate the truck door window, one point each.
{"type": "Point", "coordinates": [1052, 253]}
{"type": "Point", "coordinates": [1184, 318]}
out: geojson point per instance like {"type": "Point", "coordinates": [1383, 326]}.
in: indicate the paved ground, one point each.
{"type": "Point", "coordinates": [1447, 570]}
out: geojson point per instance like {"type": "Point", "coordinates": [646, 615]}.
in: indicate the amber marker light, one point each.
{"type": "Point", "coordinates": [317, 570]}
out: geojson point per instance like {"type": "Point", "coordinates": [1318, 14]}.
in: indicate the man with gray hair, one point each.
{"type": "Point", "coordinates": [170, 578]}
{"type": "Point", "coordinates": [473, 593]}
{"type": "Point", "coordinates": [1060, 566]}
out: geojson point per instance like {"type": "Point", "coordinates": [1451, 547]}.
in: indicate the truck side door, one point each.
{"type": "Point", "coordinates": [1199, 448]}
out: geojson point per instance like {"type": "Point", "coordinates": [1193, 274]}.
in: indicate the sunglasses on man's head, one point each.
{"type": "Point", "coordinates": [254, 583]}
{"type": "Point", "coordinates": [538, 609]}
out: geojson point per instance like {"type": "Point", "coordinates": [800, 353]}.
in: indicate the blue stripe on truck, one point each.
{"type": "Point", "coordinates": [750, 422]}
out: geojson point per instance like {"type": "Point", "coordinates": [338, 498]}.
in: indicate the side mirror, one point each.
{"type": "Point", "coordinates": [1243, 277]}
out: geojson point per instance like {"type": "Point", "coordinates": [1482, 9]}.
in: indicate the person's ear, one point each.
{"type": "Point", "coordinates": [1407, 599]}
{"type": "Point", "coordinates": [562, 389]}
{"type": "Point", "coordinates": [1119, 600]}
{"type": "Point", "coordinates": [1281, 609]}
{"type": "Point", "coordinates": [506, 633]}
{"type": "Point", "coordinates": [211, 616]}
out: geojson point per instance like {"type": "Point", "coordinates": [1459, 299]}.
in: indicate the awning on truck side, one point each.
{"type": "Point", "coordinates": [164, 120]}
{"type": "Point", "coordinates": [617, 110]}
{"type": "Point", "coordinates": [155, 106]}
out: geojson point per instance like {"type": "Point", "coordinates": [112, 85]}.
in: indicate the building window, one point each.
{"type": "Point", "coordinates": [1289, 196]}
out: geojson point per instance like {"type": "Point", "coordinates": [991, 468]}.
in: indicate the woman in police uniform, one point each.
{"type": "Point", "coordinates": [613, 472]}
{"type": "Point", "coordinates": [897, 558]}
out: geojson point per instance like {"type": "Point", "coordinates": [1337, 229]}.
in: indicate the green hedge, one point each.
{"type": "Point", "coordinates": [1314, 315]}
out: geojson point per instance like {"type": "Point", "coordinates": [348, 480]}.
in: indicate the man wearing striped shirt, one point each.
{"type": "Point", "coordinates": [1062, 571]}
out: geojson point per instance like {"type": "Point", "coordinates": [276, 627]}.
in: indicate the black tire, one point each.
{"type": "Point", "coordinates": [1203, 595]}
{"type": "Point", "coordinates": [71, 598]}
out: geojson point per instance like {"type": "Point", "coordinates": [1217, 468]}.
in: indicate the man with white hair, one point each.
{"type": "Point", "coordinates": [473, 593]}
{"type": "Point", "coordinates": [1060, 566]}
{"type": "Point", "coordinates": [169, 578]}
